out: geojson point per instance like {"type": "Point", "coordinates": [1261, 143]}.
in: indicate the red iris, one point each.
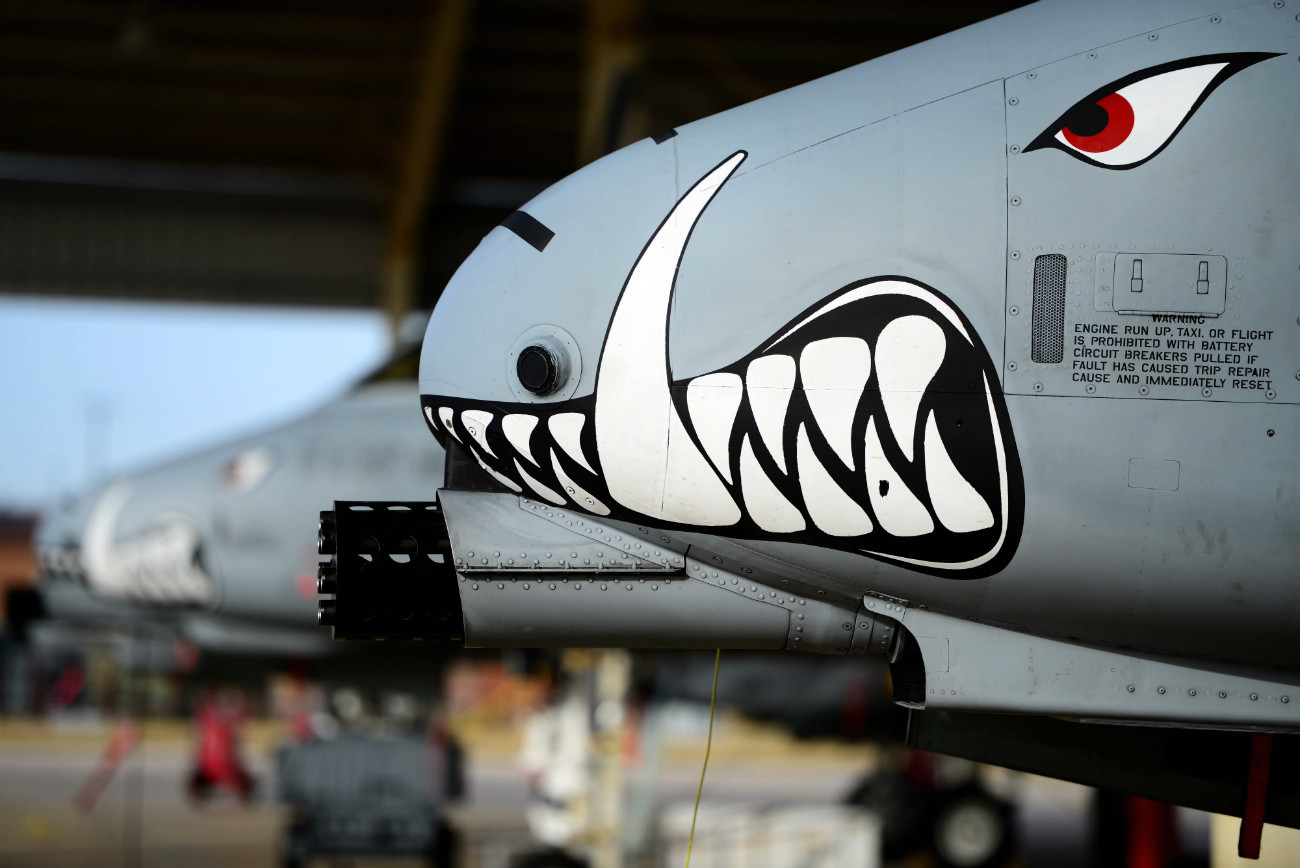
{"type": "Point", "coordinates": [1101, 126]}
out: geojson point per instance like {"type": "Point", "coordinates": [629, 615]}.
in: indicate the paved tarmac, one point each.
{"type": "Point", "coordinates": [143, 817]}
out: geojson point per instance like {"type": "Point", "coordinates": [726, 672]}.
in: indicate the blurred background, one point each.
{"type": "Point", "coordinates": [219, 223]}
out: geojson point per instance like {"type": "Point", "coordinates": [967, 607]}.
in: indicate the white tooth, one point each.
{"type": "Point", "coordinates": [712, 401]}
{"type": "Point", "coordinates": [641, 442]}
{"type": "Point", "coordinates": [909, 352]}
{"type": "Point", "coordinates": [767, 506]}
{"type": "Point", "coordinates": [566, 428]}
{"type": "Point", "coordinates": [477, 421]}
{"type": "Point", "coordinates": [1004, 486]}
{"type": "Point", "coordinates": [768, 382]}
{"type": "Point", "coordinates": [834, 371]}
{"type": "Point", "coordinates": [579, 496]}
{"type": "Point", "coordinates": [833, 511]}
{"type": "Point", "coordinates": [536, 486]}
{"type": "Point", "coordinates": [958, 505]}
{"type": "Point", "coordinates": [499, 477]}
{"type": "Point", "coordinates": [518, 427]}
{"type": "Point", "coordinates": [448, 417]}
{"type": "Point", "coordinates": [693, 494]}
{"type": "Point", "coordinates": [897, 509]}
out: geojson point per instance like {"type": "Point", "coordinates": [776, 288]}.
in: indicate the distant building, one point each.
{"type": "Point", "coordinates": [17, 563]}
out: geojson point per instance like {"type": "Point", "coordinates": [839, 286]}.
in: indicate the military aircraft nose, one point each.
{"type": "Point", "coordinates": [827, 431]}
{"type": "Point", "coordinates": [524, 317]}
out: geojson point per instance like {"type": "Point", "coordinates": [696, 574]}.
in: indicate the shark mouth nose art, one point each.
{"type": "Point", "coordinates": [160, 563]}
{"type": "Point", "coordinates": [873, 423]}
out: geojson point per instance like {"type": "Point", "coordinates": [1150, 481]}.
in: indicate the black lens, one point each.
{"type": "Point", "coordinates": [537, 370]}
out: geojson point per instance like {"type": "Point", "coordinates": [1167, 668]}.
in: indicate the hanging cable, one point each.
{"type": "Point", "coordinates": [708, 746]}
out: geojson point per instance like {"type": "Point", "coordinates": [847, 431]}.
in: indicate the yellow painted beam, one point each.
{"type": "Point", "coordinates": [614, 52]}
{"type": "Point", "coordinates": [420, 154]}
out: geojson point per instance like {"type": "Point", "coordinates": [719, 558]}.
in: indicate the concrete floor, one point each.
{"type": "Point", "coordinates": [144, 819]}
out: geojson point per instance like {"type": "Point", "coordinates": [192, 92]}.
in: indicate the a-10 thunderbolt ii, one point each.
{"type": "Point", "coordinates": [217, 545]}
{"type": "Point", "coordinates": [984, 355]}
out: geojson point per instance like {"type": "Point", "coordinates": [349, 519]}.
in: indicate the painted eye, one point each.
{"type": "Point", "coordinates": [1129, 121]}
{"type": "Point", "coordinates": [1099, 127]}
{"type": "Point", "coordinates": [248, 469]}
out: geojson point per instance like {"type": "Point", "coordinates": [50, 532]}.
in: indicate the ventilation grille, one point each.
{"type": "Point", "coordinates": [1048, 343]}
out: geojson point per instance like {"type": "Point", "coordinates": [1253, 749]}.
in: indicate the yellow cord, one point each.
{"type": "Point", "coordinates": [708, 746]}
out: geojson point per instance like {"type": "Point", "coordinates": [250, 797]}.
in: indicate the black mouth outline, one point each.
{"type": "Point", "coordinates": [962, 390]}
{"type": "Point", "coordinates": [616, 471]}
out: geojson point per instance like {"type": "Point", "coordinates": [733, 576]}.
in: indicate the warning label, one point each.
{"type": "Point", "coordinates": [1171, 350]}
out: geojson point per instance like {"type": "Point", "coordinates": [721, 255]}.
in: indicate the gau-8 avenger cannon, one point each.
{"type": "Point", "coordinates": [984, 355]}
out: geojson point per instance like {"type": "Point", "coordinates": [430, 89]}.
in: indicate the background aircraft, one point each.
{"type": "Point", "coordinates": [939, 357]}
{"type": "Point", "coordinates": [218, 545]}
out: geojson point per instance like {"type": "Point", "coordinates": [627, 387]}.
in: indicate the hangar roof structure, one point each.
{"type": "Point", "coordinates": [352, 152]}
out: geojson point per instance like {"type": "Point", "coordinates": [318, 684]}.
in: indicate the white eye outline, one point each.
{"type": "Point", "coordinates": [1161, 100]}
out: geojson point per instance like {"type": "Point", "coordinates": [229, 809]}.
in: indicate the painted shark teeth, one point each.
{"type": "Point", "coordinates": [576, 492]}
{"type": "Point", "coordinates": [499, 477]}
{"type": "Point", "coordinates": [899, 444]}
{"type": "Point", "coordinates": [832, 510]}
{"type": "Point", "coordinates": [712, 401]}
{"type": "Point", "coordinates": [447, 417]}
{"type": "Point", "coordinates": [769, 381]}
{"type": "Point", "coordinates": [160, 563]}
{"type": "Point", "coordinates": [909, 352]}
{"type": "Point", "coordinates": [566, 428]}
{"type": "Point", "coordinates": [897, 509]}
{"type": "Point", "coordinates": [835, 373]}
{"type": "Point", "coordinates": [541, 490]}
{"type": "Point", "coordinates": [518, 428]}
{"type": "Point", "coordinates": [477, 422]}
{"type": "Point", "coordinates": [958, 505]}
{"type": "Point", "coordinates": [649, 462]}
{"type": "Point", "coordinates": [770, 509]}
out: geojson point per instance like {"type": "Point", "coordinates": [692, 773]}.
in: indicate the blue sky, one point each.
{"type": "Point", "coordinates": [93, 388]}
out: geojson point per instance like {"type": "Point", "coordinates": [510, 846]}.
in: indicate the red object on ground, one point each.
{"type": "Point", "coordinates": [67, 688]}
{"type": "Point", "coordinates": [216, 761]}
{"type": "Point", "coordinates": [854, 711]}
{"type": "Point", "coordinates": [1152, 837]}
{"type": "Point", "coordinates": [918, 771]}
{"type": "Point", "coordinates": [296, 717]}
{"type": "Point", "coordinates": [1252, 815]}
{"type": "Point", "coordinates": [120, 744]}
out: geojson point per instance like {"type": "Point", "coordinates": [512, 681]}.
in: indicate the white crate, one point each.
{"type": "Point", "coordinates": [765, 836]}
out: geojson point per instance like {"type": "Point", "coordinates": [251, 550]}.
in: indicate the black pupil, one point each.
{"type": "Point", "coordinates": [1087, 120]}
{"type": "Point", "coordinates": [537, 370]}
